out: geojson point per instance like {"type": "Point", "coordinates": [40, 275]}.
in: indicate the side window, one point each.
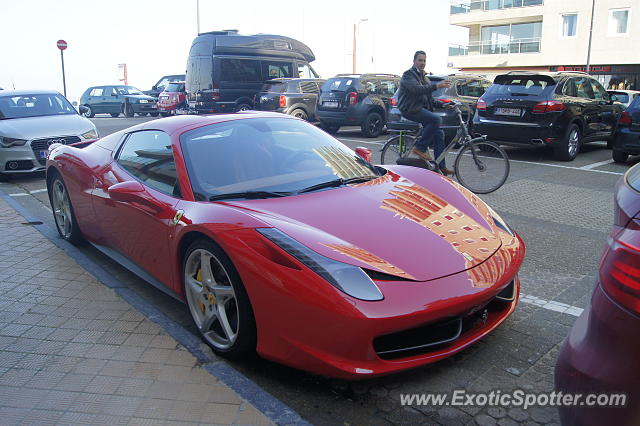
{"type": "Point", "coordinates": [472, 88]}
{"type": "Point", "coordinates": [148, 156]}
{"type": "Point", "coordinates": [304, 71]}
{"type": "Point", "coordinates": [293, 87]}
{"type": "Point", "coordinates": [97, 91]}
{"type": "Point", "coordinates": [598, 91]}
{"type": "Point", "coordinates": [583, 88]}
{"type": "Point", "coordinates": [162, 84]}
{"type": "Point", "coordinates": [309, 87]}
{"type": "Point", "coordinates": [240, 70]}
{"type": "Point", "coordinates": [569, 88]}
{"type": "Point", "coordinates": [110, 91]}
{"type": "Point", "coordinates": [273, 69]}
{"type": "Point", "coordinates": [388, 87]}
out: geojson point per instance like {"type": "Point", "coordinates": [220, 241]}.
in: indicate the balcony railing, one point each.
{"type": "Point", "coordinates": [522, 45]}
{"type": "Point", "coordinates": [466, 6]}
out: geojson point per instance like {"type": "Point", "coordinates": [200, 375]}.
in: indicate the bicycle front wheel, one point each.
{"type": "Point", "coordinates": [396, 148]}
{"type": "Point", "coordinates": [482, 167]}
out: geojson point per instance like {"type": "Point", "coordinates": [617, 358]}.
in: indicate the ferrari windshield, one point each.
{"type": "Point", "coordinates": [276, 155]}
{"type": "Point", "coordinates": [34, 105]}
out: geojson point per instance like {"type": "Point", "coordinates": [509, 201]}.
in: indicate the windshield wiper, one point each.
{"type": "Point", "coordinates": [335, 182]}
{"type": "Point", "coordinates": [250, 195]}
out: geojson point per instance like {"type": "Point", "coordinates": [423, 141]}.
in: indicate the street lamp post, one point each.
{"type": "Point", "coordinates": [355, 30]}
{"type": "Point", "coordinates": [593, 5]}
{"type": "Point", "coordinates": [198, 15]}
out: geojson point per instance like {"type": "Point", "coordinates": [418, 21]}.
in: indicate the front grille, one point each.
{"type": "Point", "coordinates": [38, 145]}
{"type": "Point", "coordinates": [18, 165]}
{"type": "Point", "coordinates": [438, 335]}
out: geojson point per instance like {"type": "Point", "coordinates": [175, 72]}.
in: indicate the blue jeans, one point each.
{"type": "Point", "coordinates": [432, 134]}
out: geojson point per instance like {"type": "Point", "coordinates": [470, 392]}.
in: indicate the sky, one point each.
{"type": "Point", "coordinates": [153, 37]}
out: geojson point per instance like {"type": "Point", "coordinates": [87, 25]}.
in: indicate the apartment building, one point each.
{"type": "Point", "coordinates": [550, 35]}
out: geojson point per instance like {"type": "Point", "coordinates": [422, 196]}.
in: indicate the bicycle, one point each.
{"type": "Point", "coordinates": [481, 166]}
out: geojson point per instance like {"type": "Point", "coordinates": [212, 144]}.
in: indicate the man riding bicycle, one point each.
{"type": "Point", "coordinates": [415, 102]}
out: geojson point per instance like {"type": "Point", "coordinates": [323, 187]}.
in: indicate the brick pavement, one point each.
{"type": "Point", "coordinates": [72, 351]}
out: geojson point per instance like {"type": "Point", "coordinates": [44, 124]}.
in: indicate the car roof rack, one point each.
{"type": "Point", "coordinates": [366, 75]}
{"type": "Point", "coordinates": [573, 72]}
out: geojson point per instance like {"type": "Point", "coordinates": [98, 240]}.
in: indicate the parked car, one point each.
{"type": "Point", "coordinates": [562, 110]}
{"type": "Point", "coordinates": [117, 99]}
{"type": "Point", "coordinates": [162, 84]}
{"type": "Point", "coordinates": [626, 140]}
{"type": "Point", "coordinates": [257, 220]}
{"type": "Point", "coordinates": [225, 69]}
{"type": "Point", "coordinates": [30, 121]}
{"type": "Point", "coordinates": [601, 353]}
{"type": "Point", "coordinates": [465, 89]}
{"type": "Point", "coordinates": [625, 97]}
{"type": "Point", "coordinates": [293, 96]}
{"type": "Point", "coordinates": [356, 100]}
{"type": "Point", "coordinates": [172, 99]}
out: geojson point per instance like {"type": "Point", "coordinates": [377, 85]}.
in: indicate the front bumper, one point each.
{"type": "Point", "coordinates": [32, 156]}
{"type": "Point", "coordinates": [306, 323]}
{"type": "Point", "coordinates": [144, 108]}
{"type": "Point", "coordinates": [601, 355]}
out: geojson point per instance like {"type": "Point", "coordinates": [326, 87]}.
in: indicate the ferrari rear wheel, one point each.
{"type": "Point", "coordinates": [65, 220]}
{"type": "Point", "coordinates": [218, 301]}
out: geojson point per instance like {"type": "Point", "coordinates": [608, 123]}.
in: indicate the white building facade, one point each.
{"type": "Point", "coordinates": [550, 35]}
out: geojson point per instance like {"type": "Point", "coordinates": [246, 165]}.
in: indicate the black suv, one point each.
{"type": "Point", "coordinates": [293, 96]}
{"type": "Point", "coordinates": [465, 89]}
{"type": "Point", "coordinates": [356, 100]}
{"type": "Point", "coordinates": [562, 110]}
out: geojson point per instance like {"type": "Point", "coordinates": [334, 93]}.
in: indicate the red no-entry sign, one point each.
{"type": "Point", "coordinates": [61, 44]}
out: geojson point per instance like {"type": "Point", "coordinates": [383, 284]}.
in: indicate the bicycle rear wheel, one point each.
{"type": "Point", "coordinates": [482, 167]}
{"type": "Point", "coordinates": [395, 148]}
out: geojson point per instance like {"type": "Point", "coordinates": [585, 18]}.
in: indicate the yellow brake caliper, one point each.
{"type": "Point", "coordinates": [199, 279]}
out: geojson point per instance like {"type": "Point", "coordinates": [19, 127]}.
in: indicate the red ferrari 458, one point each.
{"type": "Point", "coordinates": [283, 241]}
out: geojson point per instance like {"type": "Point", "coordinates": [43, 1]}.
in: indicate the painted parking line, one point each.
{"type": "Point", "coordinates": [22, 194]}
{"type": "Point", "coordinates": [594, 165]}
{"type": "Point", "coordinates": [551, 305]}
{"type": "Point", "coordinates": [36, 191]}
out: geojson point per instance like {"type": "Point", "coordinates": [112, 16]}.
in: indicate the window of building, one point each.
{"type": "Point", "coordinates": [515, 38]}
{"type": "Point", "coordinates": [569, 24]}
{"type": "Point", "coordinates": [618, 21]}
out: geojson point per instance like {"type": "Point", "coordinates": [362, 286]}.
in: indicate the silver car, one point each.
{"type": "Point", "coordinates": [31, 121]}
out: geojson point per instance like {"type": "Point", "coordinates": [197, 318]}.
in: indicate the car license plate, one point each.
{"type": "Point", "coordinates": [143, 101]}
{"type": "Point", "coordinates": [164, 98]}
{"type": "Point", "coordinates": [330, 104]}
{"type": "Point", "coordinates": [263, 99]}
{"type": "Point", "coordinates": [42, 154]}
{"type": "Point", "coordinates": [513, 112]}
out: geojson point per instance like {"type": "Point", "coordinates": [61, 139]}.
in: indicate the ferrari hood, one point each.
{"type": "Point", "coordinates": [391, 225]}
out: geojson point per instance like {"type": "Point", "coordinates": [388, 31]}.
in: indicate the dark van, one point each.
{"type": "Point", "coordinates": [226, 69]}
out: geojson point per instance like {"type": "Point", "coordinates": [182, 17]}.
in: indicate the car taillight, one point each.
{"type": "Point", "coordinates": [353, 98]}
{"type": "Point", "coordinates": [625, 119]}
{"type": "Point", "coordinates": [393, 102]}
{"type": "Point", "coordinates": [481, 105]}
{"type": "Point", "coordinates": [444, 100]}
{"type": "Point", "coordinates": [283, 101]}
{"type": "Point", "coordinates": [215, 92]}
{"type": "Point", "coordinates": [620, 271]}
{"type": "Point", "coordinates": [548, 106]}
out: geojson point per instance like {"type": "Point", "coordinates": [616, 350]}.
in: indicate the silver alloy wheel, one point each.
{"type": "Point", "coordinates": [62, 209]}
{"type": "Point", "coordinates": [212, 300]}
{"type": "Point", "coordinates": [574, 141]}
{"type": "Point", "coordinates": [300, 114]}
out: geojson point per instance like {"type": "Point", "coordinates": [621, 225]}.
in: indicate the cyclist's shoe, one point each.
{"type": "Point", "coordinates": [447, 172]}
{"type": "Point", "coordinates": [422, 154]}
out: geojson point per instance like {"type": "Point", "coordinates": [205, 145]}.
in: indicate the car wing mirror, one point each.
{"type": "Point", "coordinates": [613, 98]}
{"type": "Point", "coordinates": [127, 192]}
{"type": "Point", "coordinates": [154, 88]}
{"type": "Point", "coordinates": [364, 153]}
{"type": "Point", "coordinates": [83, 109]}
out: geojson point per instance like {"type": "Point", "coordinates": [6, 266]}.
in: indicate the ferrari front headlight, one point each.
{"type": "Point", "coordinates": [347, 278]}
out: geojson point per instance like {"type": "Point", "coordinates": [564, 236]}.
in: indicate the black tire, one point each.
{"type": "Point", "coordinates": [127, 110]}
{"type": "Point", "coordinates": [300, 113]}
{"type": "Point", "coordinates": [165, 114]}
{"type": "Point", "coordinates": [393, 149]}
{"type": "Point", "coordinates": [115, 114]}
{"type": "Point", "coordinates": [153, 114]}
{"type": "Point", "coordinates": [372, 125]}
{"type": "Point", "coordinates": [610, 143]}
{"type": "Point", "coordinates": [223, 295]}
{"type": "Point", "coordinates": [243, 107]}
{"type": "Point", "coordinates": [332, 129]}
{"type": "Point", "coordinates": [619, 156]}
{"type": "Point", "coordinates": [63, 215]}
{"type": "Point", "coordinates": [89, 113]}
{"type": "Point", "coordinates": [568, 148]}
{"type": "Point", "coordinates": [482, 167]}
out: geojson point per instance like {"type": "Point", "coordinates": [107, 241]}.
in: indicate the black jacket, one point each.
{"type": "Point", "coordinates": [416, 92]}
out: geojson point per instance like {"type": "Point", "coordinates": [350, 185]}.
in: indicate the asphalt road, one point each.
{"type": "Point", "coordinates": [563, 211]}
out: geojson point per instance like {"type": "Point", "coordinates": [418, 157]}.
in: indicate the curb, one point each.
{"type": "Point", "coordinates": [274, 409]}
